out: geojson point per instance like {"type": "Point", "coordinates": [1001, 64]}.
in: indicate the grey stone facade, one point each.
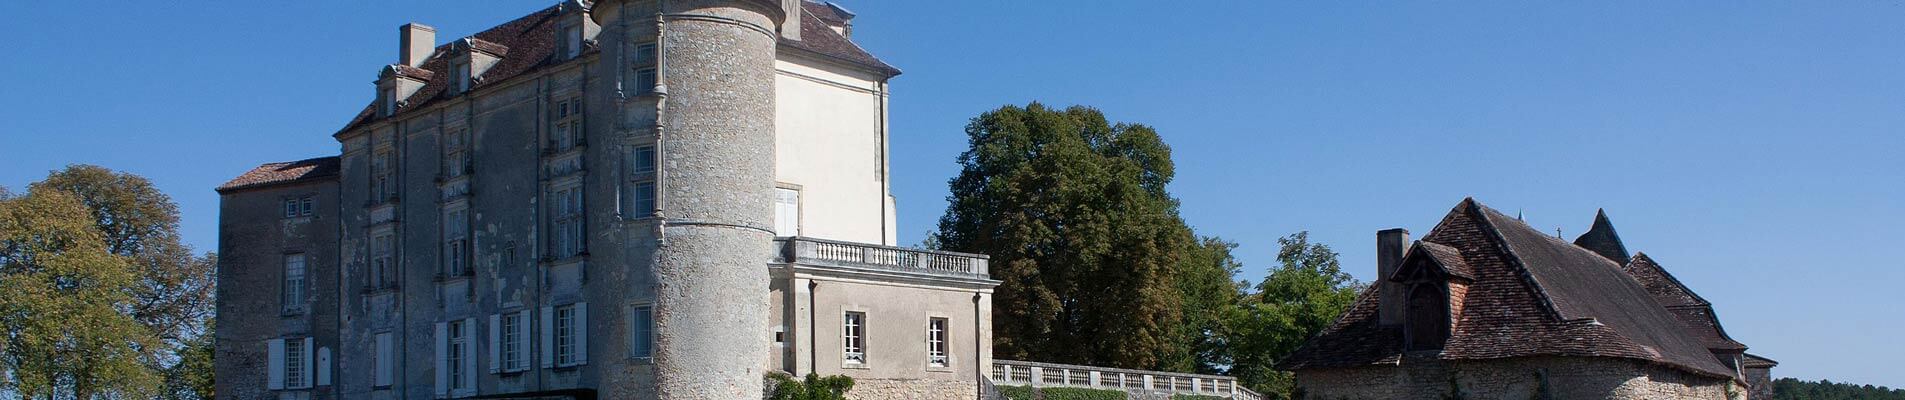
{"type": "Point", "coordinates": [466, 223]}
{"type": "Point", "coordinates": [1426, 378]}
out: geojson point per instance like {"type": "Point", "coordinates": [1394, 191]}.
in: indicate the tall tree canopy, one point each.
{"type": "Point", "coordinates": [95, 255]}
{"type": "Point", "coordinates": [62, 296]}
{"type": "Point", "coordinates": [1074, 212]}
{"type": "Point", "coordinates": [1300, 297]}
{"type": "Point", "coordinates": [1206, 283]}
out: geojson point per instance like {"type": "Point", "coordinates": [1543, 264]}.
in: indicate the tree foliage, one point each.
{"type": "Point", "coordinates": [814, 387]}
{"type": "Point", "coordinates": [1299, 298]}
{"type": "Point", "coordinates": [1074, 213]}
{"type": "Point", "coordinates": [1794, 389]}
{"type": "Point", "coordinates": [1206, 283]}
{"type": "Point", "coordinates": [95, 256]}
{"type": "Point", "coordinates": [62, 297]}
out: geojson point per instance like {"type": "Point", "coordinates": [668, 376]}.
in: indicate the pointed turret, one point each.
{"type": "Point", "coordinates": [1602, 240]}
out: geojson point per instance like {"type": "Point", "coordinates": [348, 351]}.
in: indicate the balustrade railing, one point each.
{"type": "Point", "coordinates": [1024, 373]}
{"type": "Point", "coordinates": [800, 250]}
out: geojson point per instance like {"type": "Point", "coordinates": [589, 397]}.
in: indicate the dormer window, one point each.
{"type": "Point", "coordinates": [390, 101]}
{"type": "Point", "coordinates": [1428, 318]}
{"type": "Point", "coordinates": [460, 75]}
{"type": "Point", "coordinates": [572, 41]}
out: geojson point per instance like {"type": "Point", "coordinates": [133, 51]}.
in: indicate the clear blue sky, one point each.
{"type": "Point", "coordinates": [1756, 149]}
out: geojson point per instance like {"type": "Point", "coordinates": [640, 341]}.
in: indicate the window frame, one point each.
{"type": "Point", "coordinates": [513, 349]}
{"type": "Point", "coordinates": [458, 350]}
{"type": "Point", "coordinates": [641, 336]}
{"type": "Point", "coordinates": [292, 289]}
{"type": "Point", "coordinates": [565, 336]}
{"type": "Point", "coordinates": [294, 373]}
{"type": "Point", "coordinates": [853, 335]}
{"type": "Point", "coordinates": [938, 335]}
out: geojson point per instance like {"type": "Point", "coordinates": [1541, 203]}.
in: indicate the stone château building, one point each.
{"type": "Point", "coordinates": [622, 199]}
{"type": "Point", "coordinates": [1485, 306]}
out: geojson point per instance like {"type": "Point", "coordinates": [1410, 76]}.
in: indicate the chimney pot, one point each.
{"type": "Point", "coordinates": [1391, 244]}
{"type": "Point", "coordinates": [415, 44]}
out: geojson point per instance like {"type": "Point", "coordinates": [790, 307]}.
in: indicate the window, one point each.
{"type": "Point", "coordinates": [383, 188]}
{"type": "Point", "coordinates": [568, 335]}
{"type": "Point", "coordinates": [936, 342]}
{"type": "Point", "coordinates": [641, 196]}
{"type": "Point", "coordinates": [641, 331]}
{"type": "Point", "coordinates": [459, 348]}
{"type": "Point", "coordinates": [390, 101]}
{"type": "Point", "coordinates": [645, 81]}
{"type": "Point", "coordinates": [380, 261]}
{"type": "Point", "coordinates": [569, 240]}
{"type": "Point", "coordinates": [645, 54]}
{"type": "Point", "coordinates": [572, 41]}
{"type": "Point", "coordinates": [294, 356]}
{"type": "Point", "coordinates": [456, 160]}
{"type": "Point", "coordinates": [567, 132]}
{"type": "Point", "coordinates": [384, 359]}
{"type": "Point", "coordinates": [786, 212]}
{"type": "Point", "coordinates": [299, 206]}
{"type": "Point", "coordinates": [293, 300]}
{"type": "Point", "coordinates": [462, 75]}
{"type": "Point", "coordinates": [513, 332]}
{"type": "Point", "coordinates": [456, 252]}
{"type": "Point", "coordinates": [854, 333]}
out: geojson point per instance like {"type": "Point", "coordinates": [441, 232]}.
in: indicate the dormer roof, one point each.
{"type": "Point", "coordinates": [1602, 239]}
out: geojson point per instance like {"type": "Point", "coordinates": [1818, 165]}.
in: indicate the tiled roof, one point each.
{"type": "Point", "coordinates": [1532, 295]}
{"type": "Point", "coordinates": [279, 173]}
{"type": "Point", "coordinates": [1692, 310]}
{"type": "Point", "coordinates": [1755, 361]}
{"type": "Point", "coordinates": [529, 44]}
{"type": "Point", "coordinates": [1450, 258]}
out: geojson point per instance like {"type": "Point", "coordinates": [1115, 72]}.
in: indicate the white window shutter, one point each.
{"type": "Point", "coordinates": [495, 343]}
{"type": "Point", "coordinates": [548, 337]}
{"type": "Point", "coordinates": [442, 360]}
{"type": "Point", "coordinates": [469, 355]}
{"type": "Point", "coordinates": [324, 367]}
{"type": "Point", "coordinates": [581, 333]}
{"type": "Point", "coordinates": [309, 363]}
{"type": "Point", "coordinates": [522, 342]}
{"type": "Point", "coordinates": [384, 361]}
{"type": "Point", "coordinates": [274, 361]}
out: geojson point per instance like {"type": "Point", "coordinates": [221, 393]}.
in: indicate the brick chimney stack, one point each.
{"type": "Point", "coordinates": [416, 43]}
{"type": "Point", "coordinates": [1390, 245]}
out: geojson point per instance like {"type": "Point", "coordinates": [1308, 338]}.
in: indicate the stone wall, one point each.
{"type": "Point", "coordinates": [1524, 378]}
{"type": "Point", "coordinates": [913, 389]}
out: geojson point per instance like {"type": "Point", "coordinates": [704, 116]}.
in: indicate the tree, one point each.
{"type": "Point", "coordinates": [140, 223]}
{"type": "Point", "coordinates": [192, 376]}
{"type": "Point", "coordinates": [1074, 213]}
{"type": "Point", "coordinates": [62, 293]}
{"type": "Point", "coordinates": [1209, 292]}
{"type": "Point", "coordinates": [1298, 299]}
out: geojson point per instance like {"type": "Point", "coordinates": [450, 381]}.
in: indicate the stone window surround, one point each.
{"type": "Point", "coordinates": [853, 335]}
{"type": "Point", "coordinates": [294, 305]}
{"type": "Point", "coordinates": [945, 364]}
{"type": "Point", "coordinates": [635, 325]}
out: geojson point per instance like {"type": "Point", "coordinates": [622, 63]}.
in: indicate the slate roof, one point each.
{"type": "Point", "coordinates": [1692, 310]}
{"type": "Point", "coordinates": [528, 44]}
{"type": "Point", "coordinates": [283, 173]}
{"type": "Point", "coordinates": [1532, 295]}
{"type": "Point", "coordinates": [1602, 239]}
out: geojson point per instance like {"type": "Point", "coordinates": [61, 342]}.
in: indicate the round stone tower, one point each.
{"type": "Point", "coordinates": [715, 129]}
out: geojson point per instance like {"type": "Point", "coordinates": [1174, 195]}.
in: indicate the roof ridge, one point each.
{"type": "Point", "coordinates": [1494, 234]}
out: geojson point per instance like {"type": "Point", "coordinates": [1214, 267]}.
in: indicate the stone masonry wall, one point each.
{"type": "Point", "coordinates": [1528, 378]}
{"type": "Point", "coordinates": [913, 389]}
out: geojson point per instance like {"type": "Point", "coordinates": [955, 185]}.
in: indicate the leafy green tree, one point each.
{"type": "Point", "coordinates": [1824, 389]}
{"type": "Point", "coordinates": [1207, 283]}
{"type": "Point", "coordinates": [173, 296]}
{"type": "Point", "coordinates": [1074, 212]}
{"type": "Point", "coordinates": [1298, 299]}
{"type": "Point", "coordinates": [62, 296]}
{"type": "Point", "coordinates": [191, 377]}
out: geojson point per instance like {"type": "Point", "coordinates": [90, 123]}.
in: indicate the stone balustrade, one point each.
{"type": "Point", "coordinates": [821, 252]}
{"type": "Point", "coordinates": [1151, 383]}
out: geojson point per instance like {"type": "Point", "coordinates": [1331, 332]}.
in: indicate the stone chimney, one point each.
{"type": "Point", "coordinates": [1390, 245]}
{"type": "Point", "coordinates": [418, 41]}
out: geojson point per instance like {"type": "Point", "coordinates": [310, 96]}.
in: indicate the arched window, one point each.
{"type": "Point", "coordinates": [1428, 319]}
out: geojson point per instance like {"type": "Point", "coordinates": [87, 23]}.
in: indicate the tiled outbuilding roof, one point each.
{"type": "Point", "coordinates": [529, 43]}
{"type": "Point", "coordinates": [1755, 361]}
{"type": "Point", "coordinates": [281, 173]}
{"type": "Point", "coordinates": [1532, 295]}
{"type": "Point", "coordinates": [1692, 310]}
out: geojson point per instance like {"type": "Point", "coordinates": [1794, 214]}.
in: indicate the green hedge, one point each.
{"type": "Point", "coordinates": [1018, 392]}
{"type": "Point", "coordinates": [1062, 393]}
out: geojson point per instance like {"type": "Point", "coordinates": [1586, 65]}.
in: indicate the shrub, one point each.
{"type": "Point", "coordinates": [814, 387]}
{"type": "Point", "coordinates": [1062, 393]}
{"type": "Point", "coordinates": [1018, 392]}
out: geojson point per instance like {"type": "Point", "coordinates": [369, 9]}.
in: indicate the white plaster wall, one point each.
{"type": "Point", "coordinates": [830, 142]}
